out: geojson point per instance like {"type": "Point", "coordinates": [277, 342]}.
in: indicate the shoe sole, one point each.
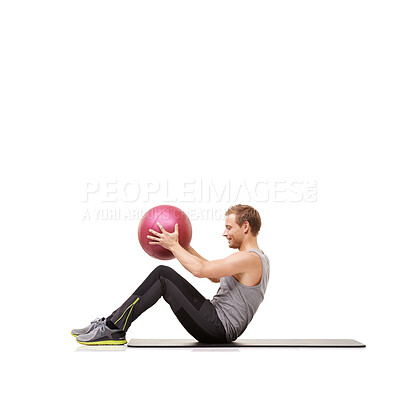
{"type": "Point", "coordinates": [73, 335]}
{"type": "Point", "coordinates": [103, 342]}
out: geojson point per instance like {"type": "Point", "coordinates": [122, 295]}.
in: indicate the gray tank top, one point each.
{"type": "Point", "coordinates": [236, 303]}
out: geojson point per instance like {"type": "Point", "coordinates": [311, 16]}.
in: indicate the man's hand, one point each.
{"type": "Point", "coordinates": [165, 239]}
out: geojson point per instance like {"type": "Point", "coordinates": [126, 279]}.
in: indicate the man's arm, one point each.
{"type": "Point", "coordinates": [234, 264]}
{"type": "Point", "coordinates": [192, 251]}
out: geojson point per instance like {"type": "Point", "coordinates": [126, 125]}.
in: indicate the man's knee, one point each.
{"type": "Point", "coordinates": [163, 273]}
{"type": "Point", "coordinates": [163, 270]}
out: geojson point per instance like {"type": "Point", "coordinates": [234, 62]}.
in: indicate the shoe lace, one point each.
{"type": "Point", "coordinates": [98, 321]}
{"type": "Point", "coordinates": [99, 330]}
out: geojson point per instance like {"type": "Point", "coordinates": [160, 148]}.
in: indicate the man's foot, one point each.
{"type": "Point", "coordinates": [102, 335]}
{"type": "Point", "coordinates": [89, 328]}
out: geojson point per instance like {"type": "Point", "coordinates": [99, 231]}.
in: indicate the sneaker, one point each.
{"type": "Point", "coordinates": [89, 328]}
{"type": "Point", "coordinates": [102, 335]}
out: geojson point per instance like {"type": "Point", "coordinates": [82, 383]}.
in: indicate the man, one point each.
{"type": "Point", "coordinates": [243, 278]}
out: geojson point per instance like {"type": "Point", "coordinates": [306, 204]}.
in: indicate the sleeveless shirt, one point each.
{"type": "Point", "coordinates": [236, 303]}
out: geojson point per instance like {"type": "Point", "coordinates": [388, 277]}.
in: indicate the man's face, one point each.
{"type": "Point", "coordinates": [233, 232]}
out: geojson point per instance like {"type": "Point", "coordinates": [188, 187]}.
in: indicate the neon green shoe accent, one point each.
{"type": "Point", "coordinates": [127, 308]}
{"type": "Point", "coordinates": [104, 342]}
{"type": "Point", "coordinates": [73, 334]}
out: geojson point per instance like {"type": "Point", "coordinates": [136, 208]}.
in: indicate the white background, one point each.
{"type": "Point", "coordinates": [177, 91]}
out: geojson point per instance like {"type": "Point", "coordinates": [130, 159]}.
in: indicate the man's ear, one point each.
{"type": "Point", "coordinates": [246, 227]}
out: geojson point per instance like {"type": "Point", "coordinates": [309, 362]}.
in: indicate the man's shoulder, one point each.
{"type": "Point", "coordinates": [249, 257]}
{"type": "Point", "coordinates": [251, 268]}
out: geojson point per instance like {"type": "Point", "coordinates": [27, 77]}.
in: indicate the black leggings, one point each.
{"type": "Point", "coordinates": [194, 311]}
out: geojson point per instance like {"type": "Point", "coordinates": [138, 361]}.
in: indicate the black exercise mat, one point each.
{"type": "Point", "coordinates": [247, 343]}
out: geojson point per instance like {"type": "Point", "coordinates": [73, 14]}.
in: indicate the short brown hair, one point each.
{"type": "Point", "coordinates": [246, 213]}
